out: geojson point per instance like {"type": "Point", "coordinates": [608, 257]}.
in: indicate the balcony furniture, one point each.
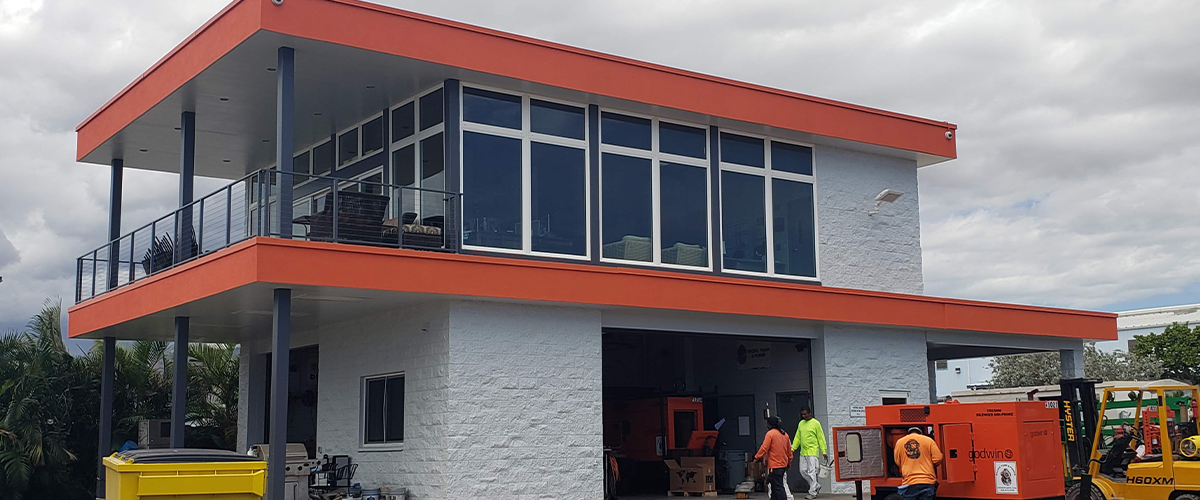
{"type": "Point", "coordinates": [161, 253]}
{"type": "Point", "coordinates": [359, 218]}
{"type": "Point", "coordinates": [427, 234]}
{"type": "Point", "coordinates": [630, 248]}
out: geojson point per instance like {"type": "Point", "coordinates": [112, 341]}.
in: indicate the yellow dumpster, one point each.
{"type": "Point", "coordinates": [180, 474]}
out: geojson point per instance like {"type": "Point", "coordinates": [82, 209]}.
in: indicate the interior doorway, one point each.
{"type": "Point", "coordinates": [787, 408]}
{"type": "Point", "coordinates": [303, 369]}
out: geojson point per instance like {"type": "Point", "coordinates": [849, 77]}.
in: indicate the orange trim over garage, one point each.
{"type": "Point", "coordinates": [346, 266]}
{"type": "Point", "coordinates": [364, 25]}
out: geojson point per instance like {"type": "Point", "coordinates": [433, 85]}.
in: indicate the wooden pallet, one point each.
{"type": "Point", "coordinates": [691, 493]}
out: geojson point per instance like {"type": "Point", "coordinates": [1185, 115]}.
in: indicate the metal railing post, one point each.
{"type": "Point", "coordinates": [93, 273]}
{"type": "Point", "coordinates": [178, 240]}
{"type": "Point", "coordinates": [334, 197]}
{"type": "Point", "coordinates": [228, 214]}
{"type": "Point", "coordinates": [200, 231]}
{"type": "Point", "coordinates": [132, 267]}
{"type": "Point", "coordinates": [78, 279]}
{"type": "Point", "coordinates": [153, 241]}
{"type": "Point", "coordinates": [400, 218]}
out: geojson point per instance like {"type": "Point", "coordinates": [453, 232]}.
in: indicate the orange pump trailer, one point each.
{"type": "Point", "coordinates": [1008, 450]}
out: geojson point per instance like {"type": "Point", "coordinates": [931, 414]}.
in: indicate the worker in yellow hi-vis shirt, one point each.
{"type": "Point", "coordinates": [809, 440]}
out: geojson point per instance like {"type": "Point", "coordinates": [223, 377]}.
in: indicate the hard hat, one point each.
{"type": "Point", "coordinates": [1190, 447]}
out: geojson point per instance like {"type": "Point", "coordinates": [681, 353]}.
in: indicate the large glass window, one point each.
{"type": "Point", "coordinates": [383, 410]}
{"type": "Point", "coordinates": [418, 162]}
{"type": "Point", "coordinates": [626, 214]}
{"type": "Point", "coordinates": [526, 161]}
{"type": "Point", "coordinates": [491, 108]}
{"type": "Point", "coordinates": [491, 191]}
{"type": "Point", "coordinates": [743, 222]}
{"type": "Point", "coordinates": [669, 225]}
{"type": "Point", "coordinates": [622, 130]}
{"type": "Point", "coordinates": [558, 199]}
{"type": "Point", "coordinates": [348, 146]}
{"type": "Point", "coordinates": [301, 165]}
{"type": "Point", "coordinates": [372, 136]}
{"type": "Point", "coordinates": [795, 245]}
{"type": "Point", "coordinates": [684, 207]}
{"type": "Point", "coordinates": [323, 159]}
{"type": "Point", "coordinates": [766, 180]}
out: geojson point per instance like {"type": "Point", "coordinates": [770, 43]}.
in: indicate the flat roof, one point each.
{"type": "Point", "coordinates": [242, 34]}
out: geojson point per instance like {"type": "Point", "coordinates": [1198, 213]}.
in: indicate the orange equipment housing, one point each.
{"type": "Point", "coordinates": [1009, 450]}
{"type": "Point", "coordinates": [656, 428]}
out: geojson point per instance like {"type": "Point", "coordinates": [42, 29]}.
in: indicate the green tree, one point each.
{"type": "Point", "coordinates": [1043, 368]}
{"type": "Point", "coordinates": [1178, 346]}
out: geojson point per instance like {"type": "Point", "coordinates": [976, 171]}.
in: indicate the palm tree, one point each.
{"type": "Point", "coordinates": [213, 395]}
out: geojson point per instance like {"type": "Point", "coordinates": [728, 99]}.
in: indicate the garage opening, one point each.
{"type": "Point", "coordinates": [681, 397]}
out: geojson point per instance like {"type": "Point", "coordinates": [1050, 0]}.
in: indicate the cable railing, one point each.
{"type": "Point", "coordinates": [329, 209]}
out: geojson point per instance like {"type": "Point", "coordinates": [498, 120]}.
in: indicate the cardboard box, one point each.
{"type": "Point", "coordinates": [692, 474]}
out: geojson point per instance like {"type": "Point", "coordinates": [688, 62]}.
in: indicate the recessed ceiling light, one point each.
{"type": "Point", "coordinates": [370, 86]}
{"type": "Point", "coordinates": [316, 114]}
{"type": "Point", "coordinates": [223, 99]}
{"type": "Point", "coordinates": [178, 128]}
{"type": "Point", "coordinates": [270, 69]}
{"type": "Point", "coordinates": [266, 140]}
{"type": "Point", "coordinates": [225, 160]}
{"type": "Point", "coordinates": [143, 150]}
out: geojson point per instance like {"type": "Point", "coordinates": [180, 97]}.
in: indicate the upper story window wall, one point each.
{"type": "Point", "coordinates": [525, 180]}
{"type": "Point", "coordinates": [654, 191]}
{"type": "Point", "coordinates": [418, 158]}
{"type": "Point", "coordinates": [767, 180]}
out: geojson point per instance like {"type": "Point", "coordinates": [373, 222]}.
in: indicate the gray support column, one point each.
{"type": "Point", "coordinates": [179, 382]}
{"type": "Point", "coordinates": [284, 107]}
{"type": "Point", "coordinates": [256, 411]}
{"type": "Point", "coordinates": [281, 333]}
{"type": "Point", "coordinates": [106, 409]}
{"type": "Point", "coordinates": [114, 221]}
{"type": "Point", "coordinates": [1071, 361]}
{"type": "Point", "coordinates": [451, 105]}
{"type": "Point", "coordinates": [714, 180]}
{"type": "Point", "coordinates": [184, 237]}
{"type": "Point", "coordinates": [594, 162]}
{"type": "Point", "coordinates": [933, 395]}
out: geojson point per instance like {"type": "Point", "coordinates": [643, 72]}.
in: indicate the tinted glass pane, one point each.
{"type": "Point", "coordinates": [742, 150]}
{"type": "Point", "coordinates": [626, 217]}
{"type": "Point", "coordinates": [300, 165]}
{"type": "Point", "coordinates": [491, 191]}
{"type": "Point", "coordinates": [743, 222]}
{"type": "Point", "coordinates": [791, 158]}
{"type": "Point", "coordinates": [375, 392]}
{"type": "Point", "coordinates": [372, 184]}
{"type": "Point", "coordinates": [433, 163]}
{"type": "Point", "coordinates": [491, 108]}
{"type": "Point", "coordinates": [556, 119]}
{"type": "Point", "coordinates": [323, 159]}
{"type": "Point", "coordinates": [681, 140]}
{"type": "Point", "coordinates": [395, 409]}
{"type": "Point", "coordinates": [372, 136]}
{"type": "Point", "coordinates": [684, 207]}
{"type": "Point", "coordinates": [795, 242]}
{"type": "Point", "coordinates": [403, 122]}
{"type": "Point", "coordinates": [347, 146]}
{"type": "Point", "coordinates": [559, 218]}
{"type": "Point", "coordinates": [431, 109]}
{"type": "Point", "coordinates": [628, 131]}
{"type": "Point", "coordinates": [404, 173]}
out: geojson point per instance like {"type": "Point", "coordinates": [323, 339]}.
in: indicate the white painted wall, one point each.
{"type": "Point", "coordinates": [868, 252]}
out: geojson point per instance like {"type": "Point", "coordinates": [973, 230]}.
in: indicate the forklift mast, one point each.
{"type": "Point", "coordinates": [1080, 414]}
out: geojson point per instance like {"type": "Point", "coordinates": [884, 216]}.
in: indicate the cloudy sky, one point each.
{"type": "Point", "coordinates": [1079, 123]}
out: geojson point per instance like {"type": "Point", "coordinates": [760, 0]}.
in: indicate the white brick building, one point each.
{"type": "Point", "coordinates": [495, 250]}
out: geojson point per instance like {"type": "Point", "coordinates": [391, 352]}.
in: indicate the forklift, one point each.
{"type": "Point", "coordinates": [1143, 447]}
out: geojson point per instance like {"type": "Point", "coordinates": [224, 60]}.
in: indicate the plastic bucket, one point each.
{"type": "Point", "coordinates": [824, 472]}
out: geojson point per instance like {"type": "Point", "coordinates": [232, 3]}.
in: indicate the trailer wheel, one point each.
{"type": "Point", "coordinates": [1186, 496]}
{"type": "Point", "coordinates": [1074, 493]}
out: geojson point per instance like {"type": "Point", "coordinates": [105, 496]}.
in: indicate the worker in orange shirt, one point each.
{"type": "Point", "coordinates": [777, 451]}
{"type": "Point", "coordinates": [917, 455]}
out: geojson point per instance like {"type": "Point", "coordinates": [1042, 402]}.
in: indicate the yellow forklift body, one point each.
{"type": "Point", "coordinates": [1154, 477]}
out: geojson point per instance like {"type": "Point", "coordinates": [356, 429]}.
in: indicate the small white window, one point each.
{"type": "Point", "coordinates": [383, 409]}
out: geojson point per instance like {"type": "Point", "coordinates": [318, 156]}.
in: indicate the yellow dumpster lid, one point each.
{"type": "Point", "coordinates": [182, 455]}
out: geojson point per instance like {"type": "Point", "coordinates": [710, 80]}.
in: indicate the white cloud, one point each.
{"type": "Point", "coordinates": [1077, 122]}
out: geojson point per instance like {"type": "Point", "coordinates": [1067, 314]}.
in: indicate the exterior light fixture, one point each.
{"type": "Point", "coordinates": [885, 196]}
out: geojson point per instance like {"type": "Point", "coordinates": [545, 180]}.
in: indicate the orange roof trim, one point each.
{"type": "Point", "coordinates": [276, 261]}
{"type": "Point", "coordinates": [364, 25]}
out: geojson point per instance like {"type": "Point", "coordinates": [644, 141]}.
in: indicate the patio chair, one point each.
{"type": "Point", "coordinates": [359, 218]}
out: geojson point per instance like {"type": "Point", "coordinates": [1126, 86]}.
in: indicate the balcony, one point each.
{"type": "Point", "coordinates": [324, 208]}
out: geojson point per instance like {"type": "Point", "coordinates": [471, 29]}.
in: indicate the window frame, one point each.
{"type": "Point", "coordinates": [768, 174]}
{"type": "Point", "coordinates": [414, 140]}
{"type": "Point", "coordinates": [385, 445]}
{"type": "Point", "coordinates": [527, 138]}
{"type": "Point", "coordinates": [656, 158]}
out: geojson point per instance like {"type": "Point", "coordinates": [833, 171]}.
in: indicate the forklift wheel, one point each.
{"type": "Point", "coordinates": [1187, 496]}
{"type": "Point", "coordinates": [1073, 493]}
